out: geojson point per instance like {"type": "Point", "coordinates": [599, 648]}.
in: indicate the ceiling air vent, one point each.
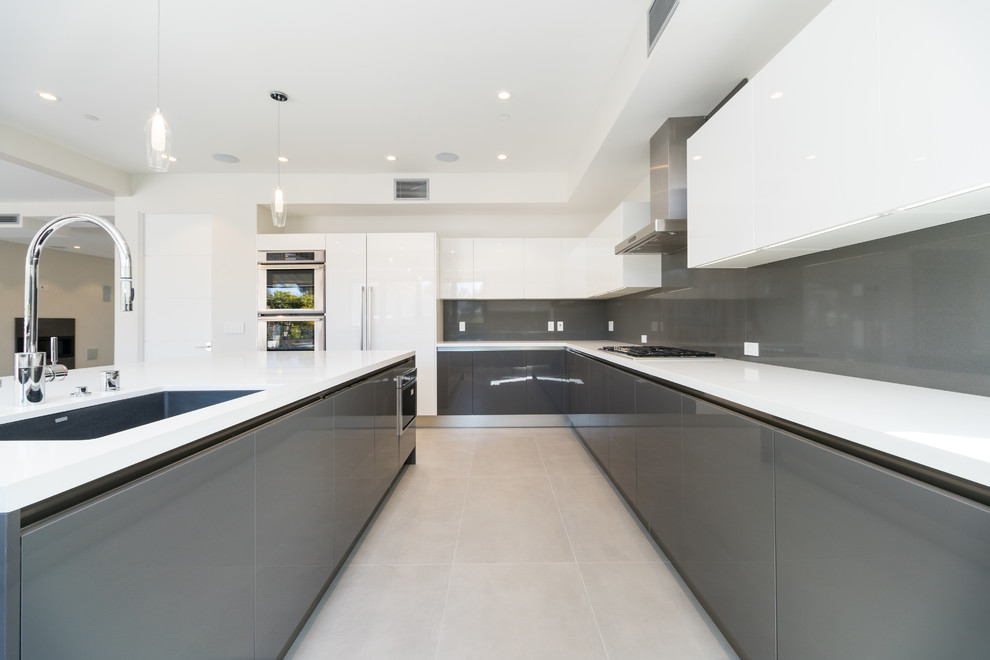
{"type": "Point", "coordinates": [412, 188]}
{"type": "Point", "coordinates": [660, 13]}
{"type": "Point", "coordinates": [10, 220]}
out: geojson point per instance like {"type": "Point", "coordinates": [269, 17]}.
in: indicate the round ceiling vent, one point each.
{"type": "Point", "coordinates": [447, 157]}
{"type": "Point", "coordinates": [226, 158]}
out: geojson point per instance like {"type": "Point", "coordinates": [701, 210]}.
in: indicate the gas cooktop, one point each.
{"type": "Point", "coordinates": [656, 352]}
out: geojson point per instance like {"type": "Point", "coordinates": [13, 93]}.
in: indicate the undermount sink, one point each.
{"type": "Point", "coordinates": [98, 420]}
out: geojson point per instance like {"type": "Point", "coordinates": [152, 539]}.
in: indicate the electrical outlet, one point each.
{"type": "Point", "coordinates": [549, 326]}
{"type": "Point", "coordinates": [233, 328]}
{"type": "Point", "coordinates": [751, 348]}
{"type": "Point", "coordinates": [462, 326]}
{"type": "Point", "coordinates": [611, 326]}
{"type": "Point", "coordinates": [560, 326]}
{"type": "Point", "coordinates": [642, 338]}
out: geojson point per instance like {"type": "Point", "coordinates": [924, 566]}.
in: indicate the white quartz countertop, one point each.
{"type": "Point", "coordinates": [31, 471]}
{"type": "Point", "coordinates": [943, 430]}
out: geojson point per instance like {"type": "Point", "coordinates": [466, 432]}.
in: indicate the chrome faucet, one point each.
{"type": "Point", "coordinates": [30, 372]}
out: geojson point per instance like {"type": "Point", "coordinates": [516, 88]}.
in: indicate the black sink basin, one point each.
{"type": "Point", "coordinates": [103, 419]}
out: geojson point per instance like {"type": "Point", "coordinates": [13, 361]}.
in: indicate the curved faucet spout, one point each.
{"type": "Point", "coordinates": [34, 256]}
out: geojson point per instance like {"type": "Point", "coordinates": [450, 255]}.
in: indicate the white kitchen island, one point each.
{"type": "Point", "coordinates": [208, 534]}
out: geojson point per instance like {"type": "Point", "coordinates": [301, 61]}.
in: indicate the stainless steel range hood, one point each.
{"type": "Point", "coordinates": [667, 233]}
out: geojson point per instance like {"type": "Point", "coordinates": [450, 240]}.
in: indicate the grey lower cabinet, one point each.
{"type": "Point", "coordinates": [294, 521]}
{"type": "Point", "coordinates": [162, 568]}
{"type": "Point", "coordinates": [724, 543]}
{"type": "Point", "coordinates": [621, 397]}
{"type": "Point", "coordinates": [221, 555]}
{"type": "Point", "coordinates": [587, 403]}
{"type": "Point", "coordinates": [873, 564]}
{"type": "Point", "coordinates": [500, 382]}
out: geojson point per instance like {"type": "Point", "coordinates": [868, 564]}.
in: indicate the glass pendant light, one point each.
{"type": "Point", "coordinates": [279, 208]}
{"type": "Point", "coordinates": [157, 136]}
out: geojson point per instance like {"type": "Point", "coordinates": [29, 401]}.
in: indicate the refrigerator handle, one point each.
{"type": "Point", "coordinates": [368, 320]}
{"type": "Point", "coordinates": [364, 317]}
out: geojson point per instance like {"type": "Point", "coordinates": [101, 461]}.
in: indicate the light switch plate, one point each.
{"type": "Point", "coordinates": [462, 326]}
{"type": "Point", "coordinates": [560, 326]}
{"type": "Point", "coordinates": [751, 348]}
{"type": "Point", "coordinates": [549, 326]}
{"type": "Point", "coordinates": [611, 326]}
{"type": "Point", "coordinates": [233, 328]}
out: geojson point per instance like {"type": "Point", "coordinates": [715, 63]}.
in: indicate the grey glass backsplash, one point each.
{"type": "Point", "coordinates": [522, 320]}
{"type": "Point", "coordinates": [911, 309]}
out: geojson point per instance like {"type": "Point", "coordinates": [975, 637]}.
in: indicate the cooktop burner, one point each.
{"type": "Point", "coordinates": [655, 352]}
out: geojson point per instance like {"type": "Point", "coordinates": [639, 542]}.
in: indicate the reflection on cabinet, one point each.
{"type": "Point", "coordinates": [872, 564]}
{"type": "Point", "coordinates": [163, 568]}
{"type": "Point", "coordinates": [501, 382]}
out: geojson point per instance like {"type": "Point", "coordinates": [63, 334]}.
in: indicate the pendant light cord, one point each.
{"type": "Point", "coordinates": [158, 56]}
{"type": "Point", "coordinates": [278, 143]}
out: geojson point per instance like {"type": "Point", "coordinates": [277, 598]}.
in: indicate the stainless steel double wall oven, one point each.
{"type": "Point", "coordinates": [291, 300]}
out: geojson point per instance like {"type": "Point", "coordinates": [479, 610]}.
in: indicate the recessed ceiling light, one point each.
{"type": "Point", "coordinates": [447, 157]}
{"type": "Point", "coordinates": [283, 159]}
{"type": "Point", "coordinates": [810, 157]}
{"type": "Point", "coordinates": [695, 157]}
{"type": "Point", "coordinates": [48, 96]}
{"type": "Point", "coordinates": [91, 117]}
{"type": "Point", "coordinates": [505, 95]}
{"type": "Point", "coordinates": [502, 156]}
{"type": "Point", "coordinates": [76, 247]}
{"type": "Point", "coordinates": [226, 158]}
{"type": "Point", "coordinates": [173, 159]}
{"type": "Point", "coordinates": [776, 95]}
{"type": "Point", "coordinates": [390, 157]}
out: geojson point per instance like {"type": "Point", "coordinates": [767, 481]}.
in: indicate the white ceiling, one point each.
{"type": "Point", "coordinates": [367, 79]}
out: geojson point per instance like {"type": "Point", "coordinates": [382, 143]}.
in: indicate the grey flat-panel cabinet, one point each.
{"type": "Point", "coordinates": [576, 390]}
{"type": "Point", "coordinates": [621, 393]}
{"type": "Point", "coordinates": [545, 386]}
{"type": "Point", "coordinates": [596, 433]}
{"type": "Point", "coordinates": [725, 545]}
{"type": "Point", "coordinates": [499, 382]}
{"type": "Point", "coordinates": [873, 564]}
{"type": "Point", "coordinates": [659, 461]}
{"type": "Point", "coordinates": [162, 568]}
{"type": "Point", "coordinates": [455, 386]}
{"type": "Point", "coordinates": [295, 521]}
{"type": "Point", "coordinates": [356, 483]}
{"type": "Point", "coordinates": [386, 434]}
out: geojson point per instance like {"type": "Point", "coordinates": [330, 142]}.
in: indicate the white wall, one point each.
{"type": "Point", "coordinates": [74, 289]}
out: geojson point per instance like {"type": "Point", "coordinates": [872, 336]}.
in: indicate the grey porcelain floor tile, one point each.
{"type": "Point", "coordinates": [518, 611]}
{"type": "Point", "coordinates": [439, 453]}
{"type": "Point", "coordinates": [643, 612]}
{"type": "Point", "coordinates": [511, 519]}
{"type": "Point", "coordinates": [564, 455]}
{"type": "Point", "coordinates": [418, 524]}
{"type": "Point", "coordinates": [378, 612]}
{"type": "Point", "coordinates": [507, 454]}
{"type": "Point", "coordinates": [598, 524]}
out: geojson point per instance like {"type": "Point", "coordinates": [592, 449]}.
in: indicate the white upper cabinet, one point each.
{"type": "Point", "coordinates": [610, 275]}
{"type": "Point", "coordinates": [457, 268]}
{"type": "Point", "coordinates": [498, 268]}
{"type": "Point", "coordinates": [720, 215]}
{"type": "Point", "coordinates": [291, 241]}
{"type": "Point", "coordinates": [934, 98]}
{"type": "Point", "coordinates": [554, 268]}
{"type": "Point", "coordinates": [869, 123]}
{"type": "Point", "coordinates": [815, 126]}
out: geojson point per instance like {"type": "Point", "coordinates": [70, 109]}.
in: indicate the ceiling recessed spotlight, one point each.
{"type": "Point", "coordinates": [226, 158]}
{"type": "Point", "coordinates": [283, 159]}
{"type": "Point", "coordinates": [505, 95]}
{"type": "Point", "coordinates": [173, 159]}
{"type": "Point", "coordinates": [91, 117]}
{"type": "Point", "coordinates": [76, 247]}
{"type": "Point", "coordinates": [48, 96]}
{"type": "Point", "coordinates": [776, 95]}
{"type": "Point", "coordinates": [501, 156]}
{"type": "Point", "coordinates": [810, 157]}
{"type": "Point", "coordinates": [447, 157]}
{"type": "Point", "coordinates": [390, 157]}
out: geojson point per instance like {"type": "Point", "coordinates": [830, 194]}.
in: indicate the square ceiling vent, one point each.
{"type": "Point", "coordinates": [659, 15]}
{"type": "Point", "coordinates": [412, 188]}
{"type": "Point", "coordinates": [11, 220]}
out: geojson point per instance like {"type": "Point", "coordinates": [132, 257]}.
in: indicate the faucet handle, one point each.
{"type": "Point", "coordinates": [54, 351]}
{"type": "Point", "coordinates": [111, 380]}
{"type": "Point", "coordinates": [55, 371]}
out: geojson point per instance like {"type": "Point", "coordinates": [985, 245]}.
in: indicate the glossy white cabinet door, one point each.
{"type": "Point", "coordinates": [346, 279]}
{"type": "Point", "coordinates": [815, 129]}
{"type": "Point", "coordinates": [573, 265]}
{"type": "Point", "coordinates": [934, 98]}
{"type": "Point", "coordinates": [498, 268]}
{"type": "Point", "coordinates": [177, 296]}
{"type": "Point", "coordinates": [402, 283]}
{"type": "Point", "coordinates": [542, 263]}
{"type": "Point", "coordinates": [721, 221]}
{"type": "Point", "coordinates": [457, 268]}
{"type": "Point", "coordinates": [609, 274]}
